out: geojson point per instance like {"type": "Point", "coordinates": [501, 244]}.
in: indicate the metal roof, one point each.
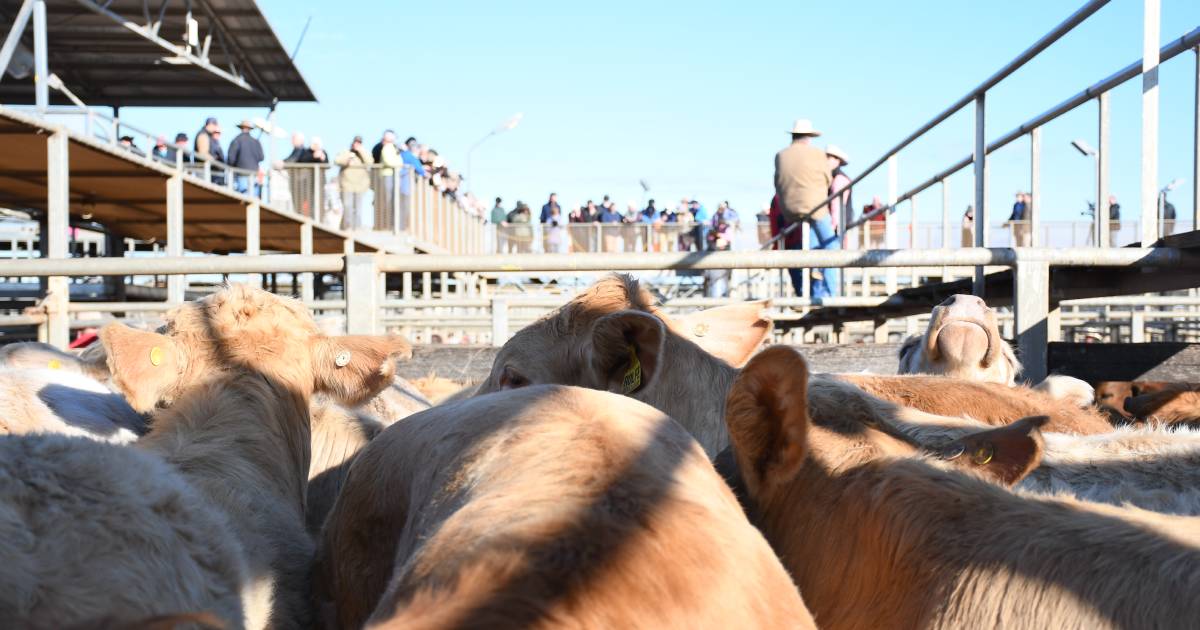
{"type": "Point", "coordinates": [127, 53]}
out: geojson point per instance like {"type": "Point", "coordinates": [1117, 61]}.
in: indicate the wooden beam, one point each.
{"type": "Point", "coordinates": [1095, 362]}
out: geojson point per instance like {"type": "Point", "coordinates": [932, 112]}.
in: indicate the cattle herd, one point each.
{"type": "Point", "coordinates": [618, 468]}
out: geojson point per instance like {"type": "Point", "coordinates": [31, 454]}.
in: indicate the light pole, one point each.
{"type": "Point", "coordinates": [511, 123]}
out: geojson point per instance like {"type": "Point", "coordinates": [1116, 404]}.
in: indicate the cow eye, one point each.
{"type": "Point", "coordinates": [512, 379]}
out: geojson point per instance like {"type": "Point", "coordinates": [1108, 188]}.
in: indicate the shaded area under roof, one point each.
{"type": "Point", "coordinates": [106, 63]}
{"type": "Point", "coordinates": [127, 194]}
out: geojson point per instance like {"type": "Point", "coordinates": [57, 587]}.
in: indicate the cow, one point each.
{"type": "Point", "coordinates": [550, 507]}
{"type": "Point", "coordinates": [879, 540]}
{"type": "Point", "coordinates": [54, 400]}
{"type": "Point", "coordinates": [1175, 406]}
{"type": "Point", "coordinates": [232, 377]}
{"type": "Point", "coordinates": [962, 340]}
{"type": "Point", "coordinates": [612, 337]}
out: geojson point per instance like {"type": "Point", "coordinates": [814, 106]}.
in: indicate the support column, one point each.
{"type": "Point", "coordinates": [306, 249]}
{"type": "Point", "coordinates": [253, 227]}
{"type": "Point", "coordinates": [981, 213]}
{"type": "Point", "coordinates": [1137, 326]}
{"type": "Point", "coordinates": [889, 230]}
{"type": "Point", "coordinates": [1103, 231]}
{"type": "Point", "coordinates": [1196, 147]}
{"type": "Point", "coordinates": [41, 67]}
{"type": "Point", "coordinates": [1150, 35]}
{"type": "Point", "coordinates": [114, 247]}
{"type": "Point", "coordinates": [913, 272]}
{"type": "Point", "coordinates": [1035, 186]}
{"type": "Point", "coordinates": [881, 331]}
{"type": "Point", "coordinates": [54, 238]}
{"type": "Point", "coordinates": [499, 321]}
{"type": "Point", "coordinates": [1031, 309]}
{"type": "Point", "coordinates": [362, 294]}
{"type": "Point", "coordinates": [176, 284]}
{"type": "Point", "coordinates": [1054, 324]}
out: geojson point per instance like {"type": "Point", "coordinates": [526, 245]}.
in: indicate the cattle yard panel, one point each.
{"type": "Point", "coordinates": [365, 275]}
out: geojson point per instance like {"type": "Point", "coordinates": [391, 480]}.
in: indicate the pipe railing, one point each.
{"type": "Point", "coordinates": [973, 96]}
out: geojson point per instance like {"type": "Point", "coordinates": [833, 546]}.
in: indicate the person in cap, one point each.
{"type": "Point", "coordinates": [181, 148]}
{"type": "Point", "coordinates": [208, 144]}
{"type": "Point", "coordinates": [840, 208]}
{"type": "Point", "coordinates": [162, 151]}
{"type": "Point", "coordinates": [802, 180]}
{"type": "Point", "coordinates": [354, 180]}
{"type": "Point", "coordinates": [126, 143]}
{"type": "Point", "coordinates": [246, 154]}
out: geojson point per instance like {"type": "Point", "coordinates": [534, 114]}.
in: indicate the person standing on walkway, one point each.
{"type": "Point", "coordinates": [547, 211]}
{"type": "Point", "coordinates": [208, 148]}
{"type": "Point", "coordinates": [841, 208]}
{"type": "Point", "coordinates": [245, 153]}
{"type": "Point", "coordinates": [1018, 221]}
{"type": "Point", "coordinates": [354, 180]}
{"type": "Point", "coordinates": [802, 181]}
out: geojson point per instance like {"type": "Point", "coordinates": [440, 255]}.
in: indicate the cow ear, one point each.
{"type": "Point", "coordinates": [626, 349]}
{"type": "Point", "coordinates": [354, 368]}
{"type": "Point", "coordinates": [767, 416]}
{"type": "Point", "coordinates": [732, 333]}
{"type": "Point", "coordinates": [1006, 454]}
{"type": "Point", "coordinates": [145, 366]}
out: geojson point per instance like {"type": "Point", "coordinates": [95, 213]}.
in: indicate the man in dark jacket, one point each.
{"type": "Point", "coordinates": [208, 148]}
{"type": "Point", "coordinates": [246, 153]}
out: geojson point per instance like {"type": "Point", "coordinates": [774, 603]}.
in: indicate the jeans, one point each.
{"type": "Point", "coordinates": [241, 183]}
{"type": "Point", "coordinates": [821, 236]}
{"type": "Point", "coordinates": [351, 210]}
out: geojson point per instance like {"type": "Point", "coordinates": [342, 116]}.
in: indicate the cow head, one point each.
{"type": "Point", "coordinates": [612, 337]}
{"type": "Point", "coordinates": [247, 329]}
{"type": "Point", "coordinates": [962, 340]}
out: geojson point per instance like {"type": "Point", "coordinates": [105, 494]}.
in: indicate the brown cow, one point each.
{"type": "Point", "coordinates": [990, 403]}
{"type": "Point", "coordinates": [236, 372]}
{"type": "Point", "coordinates": [875, 540]}
{"type": "Point", "coordinates": [1169, 406]}
{"type": "Point", "coordinates": [612, 337]}
{"type": "Point", "coordinates": [548, 507]}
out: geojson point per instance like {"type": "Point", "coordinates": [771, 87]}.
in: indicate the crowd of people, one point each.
{"type": "Point", "coordinates": [387, 170]}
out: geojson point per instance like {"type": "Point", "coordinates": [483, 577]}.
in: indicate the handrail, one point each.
{"type": "Point", "coordinates": [1041, 44]}
{"type": "Point", "coordinates": [1183, 44]}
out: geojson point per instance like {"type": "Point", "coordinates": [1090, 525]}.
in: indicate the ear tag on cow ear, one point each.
{"type": "Point", "coordinates": [633, 376]}
{"type": "Point", "coordinates": [700, 330]}
{"type": "Point", "coordinates": [342, 359]}
{"type": "Point", "coordinates": [54, 364]}
{"type": "Point", "coordinates": [156, 355]}
{"type": "Point", "coordinates": [983, 454]}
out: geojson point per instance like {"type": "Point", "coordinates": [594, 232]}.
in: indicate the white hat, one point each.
{"type": "Point", "coordinates": [804, 126]}
{"type": "Point", "coordinates": [834, 150]}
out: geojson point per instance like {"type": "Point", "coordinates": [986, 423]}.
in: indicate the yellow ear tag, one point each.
{"type": "Point", "coordinates": [633, 376]}
{"type": "Point", "coordinates": [54, 364]}
{"type": "Point", "coordinates": [982, 455]}
{"type": "Point", "coordinates": [156, 356]}
{"type": "Point", "coordinates": [700, 330]}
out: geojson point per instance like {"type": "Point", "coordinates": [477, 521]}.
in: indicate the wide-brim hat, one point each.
{"type": "Point", "coordinates": [246, 124]}
{"type": "Point", "coordinates": [834, 150]}
{"type": "Point", "coordinates": [804, 127]}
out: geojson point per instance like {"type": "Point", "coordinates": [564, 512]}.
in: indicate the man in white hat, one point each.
{"type": "Point", "coordinates": [802, 180]}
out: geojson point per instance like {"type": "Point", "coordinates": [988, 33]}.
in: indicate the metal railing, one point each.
{"type": "Point", "coordinates": [1147, 67]}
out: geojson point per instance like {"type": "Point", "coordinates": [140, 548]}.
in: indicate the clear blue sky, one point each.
{"type": "Point", "coordinates": [697, 97]}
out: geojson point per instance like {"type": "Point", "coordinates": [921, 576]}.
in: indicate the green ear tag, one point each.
{"type": "Point", "coordinates": [633, 376]}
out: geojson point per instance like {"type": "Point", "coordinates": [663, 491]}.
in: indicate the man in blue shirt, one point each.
{"type": "Point", "coordinates": [649, 214]}
{"type": "Point", "coordinates": [1018, 221]}
{"type": "Point", "coordinates": [549, 206]}
{"type": "Point", "coordinates": [702, 217]}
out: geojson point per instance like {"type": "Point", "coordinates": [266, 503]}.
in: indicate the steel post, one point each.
{"type": "Point", "coordinates": [362, 294]}
{"type": "Point", "coordinates": [1103, 231]}
{"type": "Point", "coordinates": [1035, 185]}
{"type": "Point", "coordinates": [175, 284]}
{"type": "Point", "coordinates": [41, 66]}
{"type": "Point", "coordinates": [253, 226]}
{"type": "Point", "coordinates": [499, 321]}
{"type": "Point", "coordinates": [1031, 308]}
{"type": "Point", "coordinates": [891, 217]}
{"type": "Point", "coordinates": [1196, 147]}
{"type": "Point", "coordinates": [58, 200]}
{"type": "Point", "coordinates": [306, 249]}
{"type": "Point", "coordinates": [1150, 58]}
{"type": "Point", "coordinates": [981, 213]}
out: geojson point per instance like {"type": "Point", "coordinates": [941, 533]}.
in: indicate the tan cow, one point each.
{"type": "Point", "coordinates": [546, 507]}
{"type": "Point", "coordinates": [1168, 406]}
{"type": "Point", "coordinates": [990, 403]}
{"type": "Point", "coordinates": [876, 540]}
{"type": "Point", "coordinates": [612, 337]}
{"type": "Point", "coordinates": [236, 372]}
{"type": "Point", "coordinates": [963, 340]}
